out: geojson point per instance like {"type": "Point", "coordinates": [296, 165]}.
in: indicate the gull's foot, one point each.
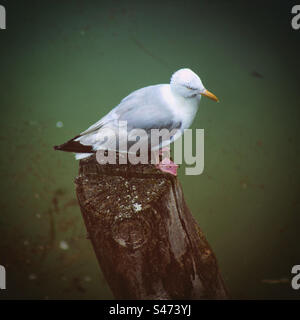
{"type": "Point", "coordinates": [166, 165]}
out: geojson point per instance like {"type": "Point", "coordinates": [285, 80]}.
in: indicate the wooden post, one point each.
{"type": "Point", "coordinates": [145, 238]}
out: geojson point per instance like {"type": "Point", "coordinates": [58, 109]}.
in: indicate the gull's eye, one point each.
{"type": "Point", "coordinates": [190, 88]}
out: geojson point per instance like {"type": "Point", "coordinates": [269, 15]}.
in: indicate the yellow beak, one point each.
{"type": "Point", "coordinates": [210, 95]}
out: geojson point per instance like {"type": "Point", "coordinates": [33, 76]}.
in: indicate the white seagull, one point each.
{"type": "Point", "coordinates": [163, 106]}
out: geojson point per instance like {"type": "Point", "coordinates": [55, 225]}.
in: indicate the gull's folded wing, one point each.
{"type": "Point", "coordinates": [143, 109]}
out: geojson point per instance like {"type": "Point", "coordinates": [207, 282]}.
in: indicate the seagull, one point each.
{"type": "Point", "coordinates": [162, 106]}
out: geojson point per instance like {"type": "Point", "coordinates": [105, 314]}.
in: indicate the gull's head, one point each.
{"type": "Point", "coordinates": [187, 84]}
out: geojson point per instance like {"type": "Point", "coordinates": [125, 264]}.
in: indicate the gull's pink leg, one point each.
{"type": "Point", "coordinates": [167, 165]}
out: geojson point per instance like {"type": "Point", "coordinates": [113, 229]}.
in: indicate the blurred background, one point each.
{"type": "Point", "coordinates": [65, 64]}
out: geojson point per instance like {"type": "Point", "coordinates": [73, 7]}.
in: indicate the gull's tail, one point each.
{"type": "Point", "coordinates": [74, 146]}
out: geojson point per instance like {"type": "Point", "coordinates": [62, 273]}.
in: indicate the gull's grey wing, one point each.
{"type": "Point", "coordinates": [142, 109]}
{"type": "Point", "coordinates": [145, 109]}
{"type": "Point", "coordinates": [128, 103]}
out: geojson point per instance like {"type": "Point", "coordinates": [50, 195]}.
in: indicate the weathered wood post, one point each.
{"type": "Point", "coordinates": [145, 238]}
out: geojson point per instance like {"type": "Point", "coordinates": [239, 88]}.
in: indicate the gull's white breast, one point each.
{"type": "Point", "coordinates": [184, 109]}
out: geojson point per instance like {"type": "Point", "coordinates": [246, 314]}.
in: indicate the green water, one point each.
{"type": "Point", "coordinates": [72, 61]}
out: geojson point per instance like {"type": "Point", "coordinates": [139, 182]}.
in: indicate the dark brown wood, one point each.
{"type": "Point", "coordinates": [145, 238]}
